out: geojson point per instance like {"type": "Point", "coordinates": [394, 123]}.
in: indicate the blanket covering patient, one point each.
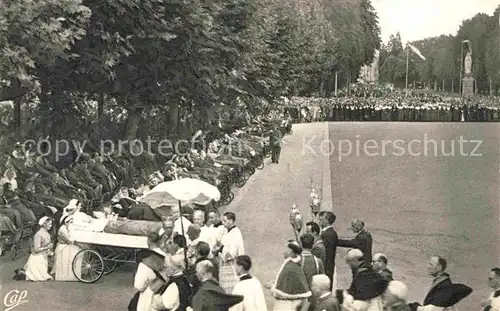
{"type": "Point", "coordinates": [84, 222]}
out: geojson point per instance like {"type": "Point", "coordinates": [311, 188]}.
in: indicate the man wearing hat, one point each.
{"type": "Point", "coordinates": [148, 279]}
{"type": "Point", "coordinates": [395, 297]}
{"type": "Point", "coordinates": [176, 293]}
{"type": "Point", "coordinates": [291, 289]}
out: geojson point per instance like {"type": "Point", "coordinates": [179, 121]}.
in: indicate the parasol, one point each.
{"type": "Point", "coordinates": [185, 190]}
{"type": "Point", "coordinates": [182, 191]}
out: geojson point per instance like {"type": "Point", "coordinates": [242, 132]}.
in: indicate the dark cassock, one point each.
{"type": "Point", "coordinates": [290, 288]}
{"type": "Point", "coordinates": [211, 297]}
{"type": "Point", "coordinates": [191, 273]}
{"type": "Point", "coordinates": [365, 292]}
{"type": "Point", "coordinates": [386, 274]}
{"type": "Point", "coordinates": [442, 294]}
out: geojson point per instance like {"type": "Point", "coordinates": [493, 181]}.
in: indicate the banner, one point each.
{"type": "Point", "coordinates": [416, 51]}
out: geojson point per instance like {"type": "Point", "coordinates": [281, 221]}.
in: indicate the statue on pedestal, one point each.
{"type": "Point", "coordinates": [468, 64]}
{"type": "Point", "coordinates": [468, 60]}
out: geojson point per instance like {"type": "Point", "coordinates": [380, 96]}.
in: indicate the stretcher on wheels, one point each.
{"type": "Point", "coordinates": [105, 252]}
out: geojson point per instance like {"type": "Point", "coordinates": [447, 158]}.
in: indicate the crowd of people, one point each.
{"type": "Point", "coordinates": [196, 260]}
{"type": "Point", "coordinates": [395, 106]}
{"type": "Point", "coordinates": [218, 274]}
{"type": "Point", "coordinates": [35, 185]}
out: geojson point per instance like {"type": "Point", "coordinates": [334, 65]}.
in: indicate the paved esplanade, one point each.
{"type": "Point", "coordinates": [415, 206]}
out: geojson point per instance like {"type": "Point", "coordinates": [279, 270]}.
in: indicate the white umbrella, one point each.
{"type": "Point", "coordinates": [181, 191]}
{"type": "Point", "coordinates": [185, 191]}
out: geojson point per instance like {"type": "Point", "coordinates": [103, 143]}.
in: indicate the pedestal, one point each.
{"type": "Point", "coordinates": [468, 87]}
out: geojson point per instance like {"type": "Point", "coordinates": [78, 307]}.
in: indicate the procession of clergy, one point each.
{"type": "Point", "coordinates": [206, 269]}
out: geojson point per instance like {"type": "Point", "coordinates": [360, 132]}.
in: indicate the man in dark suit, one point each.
{"type": "Point", "coordinates": [362, 241]}
{"type": "Point", "coordinates": [330, 240]}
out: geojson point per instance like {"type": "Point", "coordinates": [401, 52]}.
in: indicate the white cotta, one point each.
{"type": "Point", "coordinates": [186, 190]}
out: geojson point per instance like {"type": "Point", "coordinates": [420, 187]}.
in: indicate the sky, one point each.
{"type": "Point", "coordinates": [419, 19]}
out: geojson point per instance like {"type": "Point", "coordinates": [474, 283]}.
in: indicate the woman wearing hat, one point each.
{"type": "Point", "coordinates": [37, 267]}
{"type": "Point", "coordinates": [149, 277]}
{"type": "Point", "coordinates": [66, 250]}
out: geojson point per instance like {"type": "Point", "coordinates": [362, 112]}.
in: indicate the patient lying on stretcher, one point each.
{"type": "Point", "coordinates": [107, 223]}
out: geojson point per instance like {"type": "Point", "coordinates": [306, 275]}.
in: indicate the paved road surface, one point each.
{"type": "Point", "coordinates": [414, 206]}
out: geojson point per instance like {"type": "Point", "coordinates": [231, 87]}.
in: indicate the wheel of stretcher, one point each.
{"type": "Point", "coordinates": [109, 266]}
{"type": "Point", "coordinates": [88, 266]}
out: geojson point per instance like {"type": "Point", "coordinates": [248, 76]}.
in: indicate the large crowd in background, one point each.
{"type": "Point", "coordinates": [393, 106]}
{"type": "Point", "coordinates": [197, 260]}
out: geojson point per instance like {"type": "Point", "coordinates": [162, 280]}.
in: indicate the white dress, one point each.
{"type": "Point", "coordinates": [63, 257]}
{"type": "Point", "coordinates": [143, 277]}
{"type": "Point", "coordinates": [37, 267]}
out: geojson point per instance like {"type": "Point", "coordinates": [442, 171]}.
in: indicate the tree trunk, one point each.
{"type": "Point", "coordinates": [453, 85]}
{"type": "Point", "coordinates": [173, 119]}
{"type": "Point", "coordinates": [100, 105]}
{"type": "Point", "coordinates": [133, 119]}
{"type": "Point", "coordinates": [16, 87]}
{"type": "Point", "coordinates": [336, 83]}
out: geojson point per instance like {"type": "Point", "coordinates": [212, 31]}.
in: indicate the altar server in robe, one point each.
{"type": "Point", "coordinates": [291, 289]}
{"type": "Point", "coordinates": [248, 287]}
{"type": "Point", "coordinates": [230, 247]}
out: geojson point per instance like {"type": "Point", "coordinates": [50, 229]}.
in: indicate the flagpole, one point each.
{"type": "Point", "coordinates": [407, 62]}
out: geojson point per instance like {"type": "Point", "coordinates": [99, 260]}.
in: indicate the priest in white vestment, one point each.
{"type": "Point", "coordinates": [248, 287]}
{"type": "Point", "coordinates": [176, 214]}
{"type": "Point", "coordinates": [215, 229]}
{"type": "Point", "coordinates": [230, 247]}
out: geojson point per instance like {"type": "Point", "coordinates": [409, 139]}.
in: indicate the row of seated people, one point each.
{"type": "Point", "coordinates": [45, 187]}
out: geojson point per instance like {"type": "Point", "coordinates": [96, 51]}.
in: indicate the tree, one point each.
{"type": "Point", "coordinates": [35, 34]}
